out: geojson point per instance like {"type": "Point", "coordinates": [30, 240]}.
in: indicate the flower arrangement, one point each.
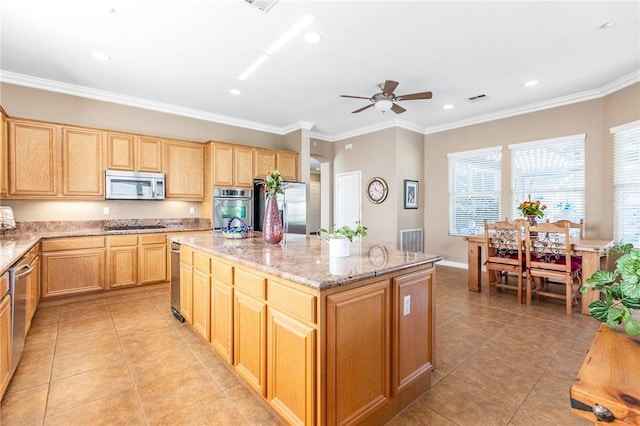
{"type": "Point", "coordinates": [273, 184]}
{"type": "Point", "coordinates": [532, 207]}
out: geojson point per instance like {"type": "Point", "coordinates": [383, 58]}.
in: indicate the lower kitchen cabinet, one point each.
{"type": "Point", "coordinates": [201, 308]}
{"type": "Point", "coordinates": [222, 309]}
{"type": "Point", "coordinates": [358, 356]}
{"type": "Point", "coordinates": [33, 287]}
{"type": "Point", "coordinates": [5, 334]}
{"type": "Point", "coordinates": [137, 259]}
{"type": "Point", "coordinates": [72, 265]}
{"type": "Point", "coordinates": [152, 258]}
{"type": "Point", "coordinates": [186, 283]}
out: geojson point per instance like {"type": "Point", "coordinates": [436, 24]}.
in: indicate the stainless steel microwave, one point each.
{"type": "Point", "coordinates": [123, 185]}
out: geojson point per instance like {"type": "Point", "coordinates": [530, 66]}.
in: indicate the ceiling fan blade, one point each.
{"type": "Point", "coordinates": [355, 97]}
{"type": "Point", "coordinates": [397, 109]}
{"type": "Point", "coordinates": [421, 95]}
{"type": "Point", "coordinates": [389, 87]}
{"type": "Point", "coordinates": [362, 109]}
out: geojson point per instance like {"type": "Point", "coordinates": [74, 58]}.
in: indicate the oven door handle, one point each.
{"type": "Point", "coordinates": [22, 270]}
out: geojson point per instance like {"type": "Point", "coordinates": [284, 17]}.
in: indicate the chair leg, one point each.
{"type": "Point", "coordinates": [519, 284]}
{"type": "Point", "coordinates": [568, 295]}
{"type": "Point", "coordinates": [528, 301]}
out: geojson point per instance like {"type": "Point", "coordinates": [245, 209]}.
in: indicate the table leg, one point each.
{"type": "Point", "coordinates": [475, 268]}
{"type": "Point", "coordinates": [590, 264]}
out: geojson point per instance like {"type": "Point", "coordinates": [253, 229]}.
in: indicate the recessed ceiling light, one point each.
{"type": "Point", "coordinates": [531, 83]}
{"type": "Point", "coordinates": [447, 106]}
{"type": "Point", "coordinates": [100, 56]}
{"type": "Point", "coordinates": [235, 91]}
{"type": "Point", "coordinates": [606, 25]}
{"type": "Point", "coordinates": [312, 37]}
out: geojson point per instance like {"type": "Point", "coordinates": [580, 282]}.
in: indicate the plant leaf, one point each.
{"type": "Point", "coordinates": [599, 310]}
{"type": "Point", "coordinates": [631, 326]}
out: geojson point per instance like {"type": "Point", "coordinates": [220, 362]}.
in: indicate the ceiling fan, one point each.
{"type": "Point", "coordinates": [386, 100]}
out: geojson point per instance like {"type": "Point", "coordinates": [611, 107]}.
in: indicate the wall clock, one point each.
{"type": "Point", "coordinates": [377, 190]}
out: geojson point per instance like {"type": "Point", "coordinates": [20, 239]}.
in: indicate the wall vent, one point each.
{"type": "Point", "coordinates": [411, 240]}
{"type": "Point", "coordinates": [478, 98]}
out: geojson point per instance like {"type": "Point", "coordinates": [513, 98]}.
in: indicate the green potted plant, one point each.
{"type": "Point", "coordinates": [339, 238]}
{"type": "Point", "coordinates": [621, 290]}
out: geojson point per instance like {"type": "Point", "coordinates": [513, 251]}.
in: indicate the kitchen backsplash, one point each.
{"type": "Point", "coordinates": [175, 224]}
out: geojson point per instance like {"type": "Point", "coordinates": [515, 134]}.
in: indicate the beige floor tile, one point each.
{"type": "Point", "coordinates": [170, 393]}
{"type": "Point", "coordinates": [83, 305]}
{"type": "Point", "coordinates": [86, 359]}
{"type": "Point", "coordinates": [37, 349]}
{"type": "Point", "coordinates": [69, 342]}
{"type": "Point", "coordinates": [24, 406]}
{"type": "Point", "coordinates": [251, 408]}
{"type": "Point", "coordinates": [417, 414]}
{"type": "Point", "coordinates": [215, 410]}
{"type": "Point", "coordinates": [121, 408]}
{"type": "Point", "coordinates": [79, 329]}
{"type": "Point", "coordinates": [141, 325]}
{"type": "Point", "coordinates": [43, 333]}
{"type": "Point", "coordinates": [151, 341]}
{"type": "Point", "coordinates": [126, 297]}
{"type": "Point", "coordinates": [145, 367]}
{"type": "Point", "coordinates": [30, 373]}
{"type": "Point", "coordinates": [82, 388]}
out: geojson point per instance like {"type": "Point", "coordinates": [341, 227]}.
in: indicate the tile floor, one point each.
{"type": "Point", "coordinates": [124, 360]}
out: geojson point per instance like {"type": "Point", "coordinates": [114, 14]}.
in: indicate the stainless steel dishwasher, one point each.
{"type": "Point", "coordinates": [175, 281]}
{"type": "Point", "coordinates": [18, 291]}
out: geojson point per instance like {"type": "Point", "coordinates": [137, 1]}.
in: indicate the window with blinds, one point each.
{"type": "Point", "coordinates": [626, 183]}
{"type": "Point", "coordinates": [475, 180]}
{"type": "Point", "coordinates": [551, 171]}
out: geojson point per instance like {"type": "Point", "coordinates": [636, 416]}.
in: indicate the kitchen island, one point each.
{"type": "Point", "coordinates": [323, 340]}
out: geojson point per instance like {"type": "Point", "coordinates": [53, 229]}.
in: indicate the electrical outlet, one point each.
{"type": "Point", "coordinates": [348, 146]}
{"type": "Point", "coordinates": [105, 210]}
{"type": "Point", "coordinates": [406, 305]}
{"type": "Point", "coordinates": [192, 210]}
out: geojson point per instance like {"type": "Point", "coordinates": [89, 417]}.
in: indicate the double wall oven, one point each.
{"type": "Point", "coordinates": [229, 203]}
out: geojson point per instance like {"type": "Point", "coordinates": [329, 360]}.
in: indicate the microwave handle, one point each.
{"type": "Point", "coordinates": [153, 188]}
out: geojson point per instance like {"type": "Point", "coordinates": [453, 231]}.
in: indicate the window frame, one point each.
{"type": "Point", "coordinates": [626, 185]}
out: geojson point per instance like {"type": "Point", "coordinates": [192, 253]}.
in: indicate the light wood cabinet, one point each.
{"type": "Point", "coordinates": [135, 153]}
{"type": "Point", "coordinates": [201, 310]}
{"type": "Point", "coordinates": [33, 287]}
{"type": "Point", "coordinates": [5, 334]}
{"type": "Point", "coordinates": [250, 329]}
{"type": "Point", "coordinates": [186, 283]}
{"type": "Point", "coordinates": [122, 261]}
{"type": "Point", "coordinates": [82, 163]}
{"type": "Point", "coordinates": [265, 161]}
{"type": "Point", "coordinates": [33, 159]}
{"type": "Point", "coordinates": [287, 163]}
{"type": "Point", "coordinates": [72, 265]}
{"type": "Point", "coordinates": [152, 258]}
{"type": "Point", "coordinates": [4, 152]}
{"type": "Point", "coordinates": [222, 309]}
{"type": "Point", "coordinates": [184, 168]}
{"type": "Point", "coordinates": [232, 165]}
{"type": "Point", "coordinates": [358, 356]}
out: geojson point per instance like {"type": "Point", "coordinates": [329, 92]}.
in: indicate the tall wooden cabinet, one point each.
{"type": "Point", "coordinates": [4, 152]}
{"type": "Point", "coordinates": [232, 165]}
{"type": "Point", "coordinates": [201, 308]}
{"type": "Point", "coordinates": [184, 168]}
{"type": "Point", "coordinates": [82, 163]}
{"type": "Point", "coordinates": [222, 308]}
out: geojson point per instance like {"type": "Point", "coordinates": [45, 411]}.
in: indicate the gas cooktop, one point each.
{"type": "Point", "coordinates": [133, 227]}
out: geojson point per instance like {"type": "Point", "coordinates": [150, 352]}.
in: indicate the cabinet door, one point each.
{"type": "Point", "coordinates": [184, 170]}
{"type": "Point", "coordinates": [358, 374]}
{"type": "Point", "coordinates": [413, 337]}
{"type": "Point", "coordinates": [222, 165]}
{"type": "Point", "coordinates": [288, 165]}
{"type": "Point", "coordinates": [120, 151]}
{"type": "Point", "coordinates": [201, 310]}
{"type": "Point", "coordinates": [249, 340]}
{"type": "Point", "coordinates": [148, 157]}
{"type": "Point", "coordinates": [222, 319]}
{"type": "Point", "coordinates": [243, 166]}
{"type": "Point", "coordinates": [291, 349]}
{"type": "Point", "coordinates": [5, 343]}
{"type": "Point", "coordinates": [123, 266]}
{"type": "Point", "coordinates": [72, 272]}
{"type": "Point", "coordinates": [33, 293]}
{"type": "Point", "coordinates": [152, 259]}
{"type": "Point", "coordinates": [33, 159]}
{"type": "Point", "coordinates": [186, 290]}
{"type": "Point", "coordinates": [265, 161]}
{"type": "Point", "coordinates": [82, 163]}
{"type": "Point", "coordinates": [4, 159]}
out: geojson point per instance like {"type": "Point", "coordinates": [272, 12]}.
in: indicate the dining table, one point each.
{"type": "Point", "coordinates": [593, 253]}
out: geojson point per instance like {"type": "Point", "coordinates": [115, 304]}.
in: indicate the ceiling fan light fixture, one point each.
{"type": "Point", "coordinates": [383, 105]}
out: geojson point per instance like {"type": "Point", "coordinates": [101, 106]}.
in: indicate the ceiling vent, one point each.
{"type": "Point", "coordinates": [263, 5]}
{"type": "Point", "coordinates": [478, 98]}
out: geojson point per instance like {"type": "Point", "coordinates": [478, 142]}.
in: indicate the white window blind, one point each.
{"type": "Point", "coordinates": [475, 180]}
{"type": "Point", "coordinates": [626, 183]}
{"type": "Point", "coordinates": [551, 171]}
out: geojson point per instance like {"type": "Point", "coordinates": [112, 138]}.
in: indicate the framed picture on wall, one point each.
{"type": "Point", "coordinates": [410, 194]}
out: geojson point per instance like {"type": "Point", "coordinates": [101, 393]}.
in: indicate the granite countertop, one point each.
{"type": "Point", "coordinates": [305, 259]}
{"type": "Point", "coordinates": [13, 247]}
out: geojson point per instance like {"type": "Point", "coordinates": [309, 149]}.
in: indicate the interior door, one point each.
{"type": "Point", "coordinates": [348, 198]}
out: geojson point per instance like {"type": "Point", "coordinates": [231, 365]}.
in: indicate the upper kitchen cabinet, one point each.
{"type": "Point", "coordinates": [33, 157]}
{"type": "Point", "coordinates": [131, 152]}
{"type": "Point", "coordinates": [286, 162]}
{"type": "Point", "coordinates": [4, 136]}
{"type": "Point", "coordinates": [232, 165]}
{"type": "Point", "coordinates": [184, 169]}
{"type": "Point", "coordinates": [82, 163]}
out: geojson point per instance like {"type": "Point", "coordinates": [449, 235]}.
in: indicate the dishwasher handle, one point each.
{"type": "Point", "coordinates": [22, 271]}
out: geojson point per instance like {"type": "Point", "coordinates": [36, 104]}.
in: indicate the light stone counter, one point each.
{"type": "Point", "coordinates": [13, 247]}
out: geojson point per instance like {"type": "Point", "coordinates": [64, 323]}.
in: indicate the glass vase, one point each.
{"type": "Point", "coordinates": [272, 223]}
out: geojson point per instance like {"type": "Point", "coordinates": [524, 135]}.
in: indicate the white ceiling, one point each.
{"type": "Point", "coordinates": [183, 56]}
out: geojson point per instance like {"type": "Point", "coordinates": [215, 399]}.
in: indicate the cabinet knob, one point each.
{"type": "Point", "coordinates": [602, 413]}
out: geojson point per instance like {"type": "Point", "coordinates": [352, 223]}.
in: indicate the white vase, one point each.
{"type": "Point", "coordinates": [338, 247]}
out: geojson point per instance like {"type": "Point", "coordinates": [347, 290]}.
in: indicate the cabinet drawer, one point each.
{"type": "Point", "coordinates": [294, 302]}
{"type": "Point", "coordinates": [202, 262]}
{"type": "Point", "coordinates": [186, 255]}
{"type": "Point", "coordinates": [222, 272]}
{"type": "Point", "coordinates": [250, 284]}
{"type": "Point", "coordinates": [123, 240]}
{"type": "Point", "coordinates": [153, 238]}
{"type": "Point", "coordinates": [74, 243]}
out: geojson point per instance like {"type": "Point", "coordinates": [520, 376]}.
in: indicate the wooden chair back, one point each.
{"type": "Point", "coordinates": [503, 242]}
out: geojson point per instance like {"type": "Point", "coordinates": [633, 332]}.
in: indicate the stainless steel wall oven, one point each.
{"type": "Point", "coordinates": [229, 203]}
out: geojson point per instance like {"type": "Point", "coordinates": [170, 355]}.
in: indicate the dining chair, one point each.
{"type": "Point", "coordinates": [503, 246]}
{"type": "Point", "coordinates": [548, 258]}
{"type": "Point", "coordinates": [572, 226]}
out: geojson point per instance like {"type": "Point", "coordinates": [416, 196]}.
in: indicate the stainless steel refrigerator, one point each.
{"type": "Point", "coordinates": [292, 205]}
